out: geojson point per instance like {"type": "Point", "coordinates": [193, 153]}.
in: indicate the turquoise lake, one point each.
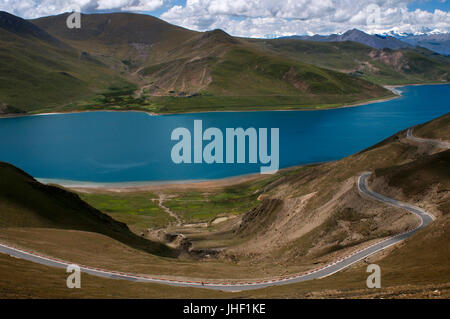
{"type": "Point", "coordinates": [109, 147]}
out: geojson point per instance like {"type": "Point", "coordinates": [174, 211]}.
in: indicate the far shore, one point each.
{"type": "Point", "coordinates": [280, 109]}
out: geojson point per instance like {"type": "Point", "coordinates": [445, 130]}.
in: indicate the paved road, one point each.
{"type": "Point", "coordinates": [441, 144]}
{"type": "Point", "coordinates": [321, 272]}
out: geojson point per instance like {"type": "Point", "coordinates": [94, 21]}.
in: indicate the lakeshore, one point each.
{"type": "Point", "coordinates": [131, 149]}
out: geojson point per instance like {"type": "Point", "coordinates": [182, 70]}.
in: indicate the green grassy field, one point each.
{"type": "Point", "coordinates": [201, 206]}
{"type": "Point", "coordinates": [112, 98]}
{"type": "Point", "coordinates": [139, 211]}
{"type": "Point", "coordinates": [384, 67]}
{"type": "Point", "coordinates": [208, 102]}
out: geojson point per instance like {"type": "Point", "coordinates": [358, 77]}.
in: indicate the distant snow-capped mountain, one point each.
{"type": "Point", "coordinates": [355, 35]}
{"type": "Point", "coordinates": [437, 42]}
{"type": "Point", "coordinates": [433, 40]}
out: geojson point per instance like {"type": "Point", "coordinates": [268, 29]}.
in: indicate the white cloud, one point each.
{"type": "Point", "coordinates": [129, 5]}
{"type": "Point", "coordinates": [261, 18]}
{"type": "Point", "coordinates": [38, 8]}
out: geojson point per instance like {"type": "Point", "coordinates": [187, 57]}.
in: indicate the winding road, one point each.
{"type": "Point", "coordinates": [441, 144]}
{"type": "Point", "coordinates": [236, 285]}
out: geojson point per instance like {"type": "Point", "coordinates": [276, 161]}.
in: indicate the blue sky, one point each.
{"type": "Point", "coordinates": [430, 5]}
{"type": "Point", "coordinates": [265, 18]}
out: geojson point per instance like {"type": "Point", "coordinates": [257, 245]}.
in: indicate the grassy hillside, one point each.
{"type": "Point", "coordinates": [384, 66]}
{"type": "Point", "coordinates": [396, 282]}
{"type": "Point", "coordinates": [24, 202]}
{"type": "Point", "coordinates": [37, 71]}
{"type": "Point", "coordinates": [420, 177]}
{"type": "Point", "coordinates": [180, 70]}
{"type": "Point", "coordinates": [316, 211]}
{"type": "Point", "coordinates": [243, 78]}
{"type": "Point", "coordinates": [131, 38]}
{"type": "Point", "coordinates": [436, 129]}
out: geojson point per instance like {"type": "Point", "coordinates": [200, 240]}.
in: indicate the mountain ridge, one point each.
{"type": "Point", "coordinates": [23, 27]}
{"type": "Point", "coordinates": [355, 35]}
{"type": "Point", "coordinates": [437, 42]}
{"type": "Point", "coordinates": [213, 69]}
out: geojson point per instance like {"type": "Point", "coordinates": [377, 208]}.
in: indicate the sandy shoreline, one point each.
{"type": "Point", "coordinates": [182, 185]}
{"type": "Point", "coordinates": [169, 185]}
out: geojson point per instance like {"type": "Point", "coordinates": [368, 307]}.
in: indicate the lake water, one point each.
{"type": "Point", "coordinates": [109, 147]}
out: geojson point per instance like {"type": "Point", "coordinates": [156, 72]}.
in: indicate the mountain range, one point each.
{"type": "Point", "coordinates": [355, 35]}
{"type": "Point", "coordinates": [131, 61]}
{"type": "Point", "coordinates": [439, 43]}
